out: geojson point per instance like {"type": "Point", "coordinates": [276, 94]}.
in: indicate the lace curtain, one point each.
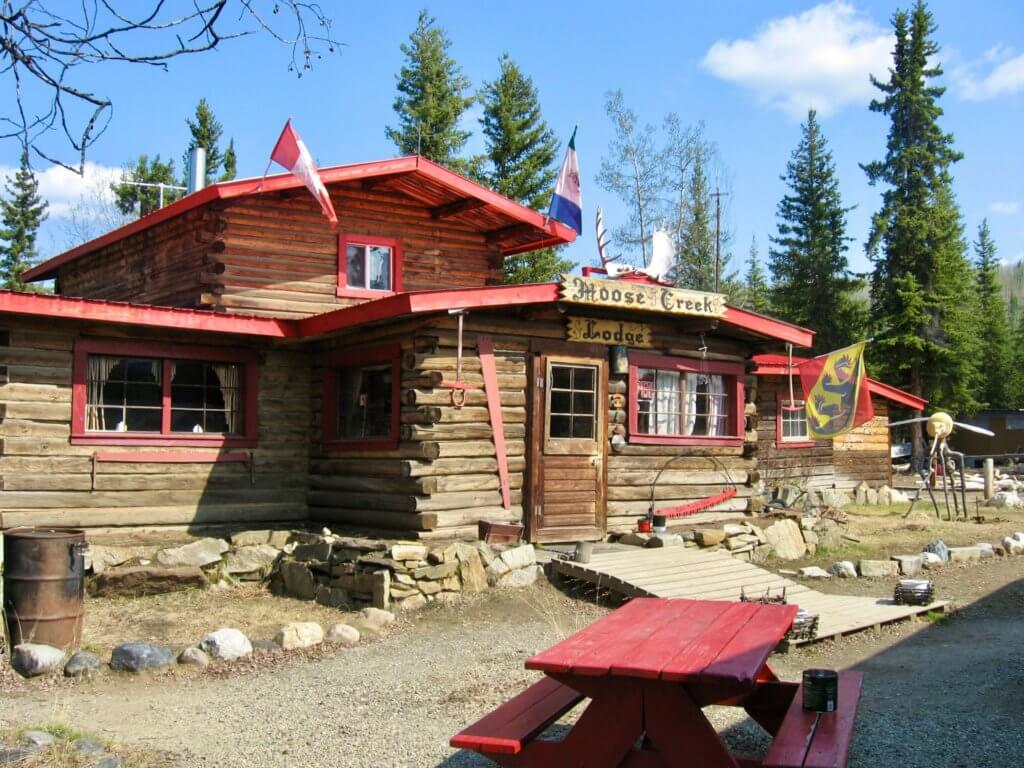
{"type": "Point", "coordinates": [100, 369]}
{"type": "Point", "coordinates": [229, 378]}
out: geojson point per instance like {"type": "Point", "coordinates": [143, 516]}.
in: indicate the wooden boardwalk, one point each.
{"type": "Point", "coordinates": [717, 575]}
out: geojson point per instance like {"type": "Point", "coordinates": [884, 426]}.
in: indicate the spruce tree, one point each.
{"type": "Point", "coordinates": [922, 295]}
{"type": "Point", "coordinates": [994, 330]}
{"type": "Point", "coordinates": [812, 284]}
{"type": "Point", "coordinates": [695, 247]}
{"type": "Point", "coordinates": [23, 210]}
{"type": "Point", "coordinates": [206, 132]}
{"type": "Point", "coordinates": [230, 162]}
{"type": "Point", "coordinates": [756, 293]}
{"type": "Point", "coordinates": [135, 200]}
{"type": "Point", "coordinates": [431, 97]}
{"type": "Point", "coordinates": [521, 152]}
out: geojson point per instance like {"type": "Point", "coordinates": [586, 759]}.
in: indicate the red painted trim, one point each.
{"type": "Point", "coordinates": [781, 444]}
{"type": "Point", "coordinates": [685, 365]}
{"type": "Point", "coordinates": [80, 363]}
{"type": "Point", "coordinates": [67, 308]}
{"type": "Point", "coordinates": [769, 326]}
{"type": "Point", "coordinates": [485, 350]}
{"type": "Point", "coordinates": [169, 457]}
{"type": "Point", "coordinates": [555, 233]}
{"type": "Point", "coordinates": [351, 358]}
{"type": "Point", "coordinates": [913, 402]}
{"type": "Point", "coordinates": [351, 238]}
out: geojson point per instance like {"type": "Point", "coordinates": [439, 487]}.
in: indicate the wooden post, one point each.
{"type": "Point", "coordinates": [485, 350]}
{"type": "Point", "coordinates": [990, 478]}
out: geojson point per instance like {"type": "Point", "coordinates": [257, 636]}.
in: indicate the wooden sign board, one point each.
{"type": "Point", "coordinates": [593, 331]}
{"type": "Point", "coordinates": [621, 294]}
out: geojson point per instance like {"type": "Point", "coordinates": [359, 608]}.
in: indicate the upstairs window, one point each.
{"type": "Point", "coordinates": [368, 267]}
{"type": "Point", "coordinates": [791, 424]}
{"type": "Point", "coordinates": [361, 398]}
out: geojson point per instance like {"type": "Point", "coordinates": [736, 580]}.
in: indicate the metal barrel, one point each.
{"type": "Point", "coordinates": [44, 579]}
{"type": "Point", "coordinates": [821, 690]}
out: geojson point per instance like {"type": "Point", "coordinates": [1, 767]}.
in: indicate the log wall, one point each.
{"type": "Point", "coordinates": [44, 480]}
{"type": "Point", "coordinates": [863, 455]}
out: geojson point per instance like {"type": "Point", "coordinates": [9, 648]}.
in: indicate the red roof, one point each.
{"type": "Point", "coordinates": [388, 308]}
{"type": "Point", "coordinates": [517, 227]}
{"type": "Point", "coordinates": [778, 365]}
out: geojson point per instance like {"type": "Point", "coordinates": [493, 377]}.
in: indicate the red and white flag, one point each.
{"type": "Point", "coordinates": [291, 153]}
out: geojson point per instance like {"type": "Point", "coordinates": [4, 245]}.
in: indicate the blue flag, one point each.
{"type": "Point", "coordinates": [567, 202]}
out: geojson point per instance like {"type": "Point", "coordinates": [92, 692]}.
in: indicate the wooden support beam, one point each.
{"type": "Point", "coordinates": [485, 350]}
{"type": "Point", "coordinates": [455, 208]}
{"type": "Point", "coordinates": [496, 236]}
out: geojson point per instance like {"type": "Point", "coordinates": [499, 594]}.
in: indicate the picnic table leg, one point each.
{"type": "Point", "coordinates": [680, 733]}
{"type": "Point", "coordinates": [768, 703]}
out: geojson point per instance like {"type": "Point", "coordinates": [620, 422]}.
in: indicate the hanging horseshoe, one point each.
{"type": "Point", "coordinates": [458, 387]}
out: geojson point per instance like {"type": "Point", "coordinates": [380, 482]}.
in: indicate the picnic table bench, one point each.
{"type": "Point", "coordinates": [647, 670]}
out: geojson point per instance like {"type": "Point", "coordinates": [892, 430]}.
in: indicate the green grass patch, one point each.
{"type": "Point", "coordinates": [60, 731]}
{"type": "Point", "coordinates": [937, 617]}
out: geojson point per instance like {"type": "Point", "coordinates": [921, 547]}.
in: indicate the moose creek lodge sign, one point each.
{"type": "Point", "coordinates": [588, 329]}
{"type": "Point", "coordinates": [621, 294]}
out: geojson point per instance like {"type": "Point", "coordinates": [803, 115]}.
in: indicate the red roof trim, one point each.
{"type": "Point", "coordinates": [557, 233]}
{"type": "Point", "coordinates": [778, 365]}
{"type": "Point", "coordinates": [769, 326]}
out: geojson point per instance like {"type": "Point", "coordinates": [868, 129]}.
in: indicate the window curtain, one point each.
{"type": "Point", "coordinates": [228, 375]}
{"type": "Point", "coordinates": [666, 405]}
{"type": "Point", "coordinates": [716, 392]}
{"type": "Point", "coordinates": [100, 369]}
{"type": "Point", "coordinates": [690, 411]}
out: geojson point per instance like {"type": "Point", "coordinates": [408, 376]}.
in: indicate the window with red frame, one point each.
{"type": "Point", "coordinates": [368, 266]}
{"type": "Point", "coordinates": [791, 424]}
{"type": "Point", "coordinates": [361, 398]}
{"type": "Point", "coordinates": [681, 400]}
{"type": "Point", "coordinates": [139, 393]}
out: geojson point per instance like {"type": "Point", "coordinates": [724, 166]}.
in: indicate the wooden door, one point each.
{"type": "Point", "coordinates": [568, 448]}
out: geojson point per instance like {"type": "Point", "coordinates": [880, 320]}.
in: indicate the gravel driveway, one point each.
{"type": "Point", "coordinates": [948, 693]}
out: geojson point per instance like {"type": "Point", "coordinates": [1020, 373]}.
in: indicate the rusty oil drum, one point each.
{"type": "Point", "coordinates": [44, 579]}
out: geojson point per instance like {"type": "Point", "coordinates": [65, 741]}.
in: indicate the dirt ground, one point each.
{"type": "Point", "coordinates": [943, 692]}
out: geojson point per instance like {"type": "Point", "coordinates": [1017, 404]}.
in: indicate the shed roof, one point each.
{"type": "Point", "coordinates": [514, 228]}
{"type": "Point", "coordinates": [778, 365]}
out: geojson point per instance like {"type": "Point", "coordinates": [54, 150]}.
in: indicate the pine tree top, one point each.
{"type": "Point", "coordinates": [22, 211]}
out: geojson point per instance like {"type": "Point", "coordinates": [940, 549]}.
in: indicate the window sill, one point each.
{"type": "Point", "coordinates": [362, 293]}
{"type": "Point", "coordinates": [794, 444]}
{"type": "Point", "coordinates": [158, 440]}
{"type": "Point", "coordinates": [383, 444]}
{"type": "Point", "coordinates": [730, 441]}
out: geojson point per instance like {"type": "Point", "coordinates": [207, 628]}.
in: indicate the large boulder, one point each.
{"type": "Point", "coordinates": [344, 635]}
{"type": "Point", "coordinates": [964, 554]}
{"type": "Point", "coordinates": [709, 537]}
{"type": "Point", "coordinates": [471, 571]}
{"type": "Point", "coordinates": [879, 569]}
{"type": "Point", "coordinates": [82, 664]}
{"type": "Point", "coordinates": [785, 539]}
{"type": "Point", "coordinates": [938, 547]}
{"type": "Point", "coordinates": [297, 580]}
{"type": "Point", "coordinates": [1005, 499]}
{"type": "Point", "coordinates": [99, 558]}
{"type": "Point", "coordinates": [34, 659]}
{"type": "Point", "coordinates": [523, 577]}
{"type": "Point", "coordinates": [141, 657]}
{"type": "Point", "coordinates": [910, 565]}
{"type": "Point", "coordinates": [140, 580]}
{"type": "Point", "coordinates": [375, 619]}
{"type": "Point", "coordinates": [299, 634]}
{"type": "Point", "coordinates": [226, 644]}
{"type": "Point", "coordinates": [844, 569]}
{"type": "Point", "coordinates": [256, 558]}
{"type": "Point", "coordinates": [519, 557]}
{"type": "Point", "coordinates": [198, 553]}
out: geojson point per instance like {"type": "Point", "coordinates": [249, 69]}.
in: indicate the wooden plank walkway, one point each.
{"type": "Point", "coordinates": [717, 575]}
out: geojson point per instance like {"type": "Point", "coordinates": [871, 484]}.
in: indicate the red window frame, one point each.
{"type": "Point", "coordinates": [167, 353]}
{"type": "Point", "coordinates": [346, 239]}
{"type": "Point", "coordinates": [734, 385]}
{"type": "Point", "coordinates": [351, 358]}
{"type": "Point", "coordinates": [780, 398]}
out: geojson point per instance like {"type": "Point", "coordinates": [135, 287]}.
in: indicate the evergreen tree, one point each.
{"type": "Point", "coordinates": [812, 284]}
{"type": "Point", "coordinates": [756, 293]}
{"type": "Point", "coordinates": [431, 97]}
{"type": "Point", "coordinates": [995, 352]}
{"type": "Point", "coordinates": [206, 132]}
{"type": "Point", "coordinates": [230, 162]}
{"type": "Point", "coordinates": [23, 210]}
{"type": "Point", "coordinates": [135, 200]}
{"type": "Point", "coordinates": [921, 285]}
{"type": "Point", "coordinates": [521, 151]}
{"type": "Point", "coordinates": [695, 246]}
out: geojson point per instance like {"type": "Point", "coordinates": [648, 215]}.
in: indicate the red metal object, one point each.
{"type": "Point", "coordinates": [485, 350]}
{"type": "Point", "coordinates": [169, 457]}
{"type": "Point", "coordinates": [700, 505]}
{"type": "Point", "coordinates": [648, 669]}
{"type": "Point", "coordinates": [643, 525]}
{"type": "Point", "coordinates": [499, 533]}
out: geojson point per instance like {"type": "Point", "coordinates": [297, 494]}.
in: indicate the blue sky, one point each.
{"type": "Point", "coordinates": [748, 70]}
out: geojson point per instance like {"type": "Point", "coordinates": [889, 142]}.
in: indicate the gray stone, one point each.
{"type": "Point", "coordinates": [788, 494]}
{"type": "Point", "coordinates": [194, 657]}
{"type": "Point", "coordinates": [376, 619]}
{"type": "Point", "coordinates": [430, 587]}
{"type": "Point", "coordinates": [910, 565]}
{"type": "Point", "coordinates": [519, 557]}
{"type": "Point", "coordinates": [964, 554]}
{"type": "Point", "coordinates": [297, 580]}
{"type": "Point", "coordinates": [99, 558]}
{"type": "Point", "coordinates": [403, 591]}
{"type": "Point", "coordinates": [987, 550]}
{"type": "Point", "coordinates": [317, 550]}
{"type": "Point", "coordinates": [710, 537]}
{"type": "Point", "coordinates": [878, 569]}
{"type": "Point", "coordinates": [486, 553]}
{"type": "Point", "coordinates": [930, 560]}
{"type": "Point", "coordinates": [14, 755]}
{"type": "Point", "coordinates": [226, 644]}
{"type": "Point", "coordinates": [860, 493]}
{"type": "Point", "coordinates": [811, 539]}
{"type": "Point", "coordinates": [814, 572]}
{"type": "Point", "coordinates": [82, 664]}
{"type": "Point", "coordinates": [939, 548]}
{"type": "Point", "coordinates": [34, 659]}
{"type": "Point", "coordinates": [40, 739]}
{"type": "Point", "coordinates": [835, 498]}
{"type": "Point", "coordinates": [344, 635]}
{"type": "Point", "coordinates": [918, 520]}
{"type": "Point", "coordinates": [439, 571]}
{"type": "Point", "coordinates": [299, 634]}
{"type": "Point", "coordinates": [413, 603]}
{"type": "Point", "coordinates": [251, 538]}
{"type": "Point", "coordinates": [635, 539]}
{"type": "Point", "coordinates": [333, 597]}
{"type": "Point", "coordinates": [1013, 546]}
{"type": "Point", "coordinates": [250, 559]}
{"type": "Point", "coordinates": [138, 581]}
{"type": "Point", "coordinates": [1005, 499]}
{"type": "Point", "coordinates": [524, 577]}
{"type": "Point", "coordinates": [807, 522]}
{"type": "Point", "coordinates": [659, 540]}
{"type": "Point", "coordinates": [896, 496]}
{"type": "Point", "coordinates": [736, 529]}
{"type": "Point", "coordinates": [496, 570]}
{"type": "Point", "coordinates": [264, 646]}
{"type": "Point", "coordinates": [844, 569]}
{"type": "Point", "coordinates": [785, 539]}
{"type": "Point", "coordinates": [872, 497]}
{"type": "Point", "coordinates": [140, 657]}
{"type": "Point", "coordinates": [87, 747]}
{"type": "Point", "coordinates": [109, 761]}
{"type": "Point", "coordinates": [1019, 536]}
{"type": "Point", "coordinates": [472, 573]}
{"type": "Point", "coordinates": [198, 553]}
{"type": "Point", "coordinates": [279, 538]}
{"type": "Point", "coordinates": [409, 552]}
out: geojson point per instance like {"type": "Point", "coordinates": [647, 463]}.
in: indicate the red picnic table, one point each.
{"type": "Point", "coordinates": [648, 669]}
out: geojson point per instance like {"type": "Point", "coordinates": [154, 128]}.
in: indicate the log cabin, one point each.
{"type": "Point", "coordinates": [785, 453]}
{"type": "Point", "coordinates": [231, 359]}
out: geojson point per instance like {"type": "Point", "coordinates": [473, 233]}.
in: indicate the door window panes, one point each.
{"type": "Point", "coordinates": [572, 402]}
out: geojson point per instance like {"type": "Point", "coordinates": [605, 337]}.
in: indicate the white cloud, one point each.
{"type": "Point", "coordinates": [818, 59]}
{"type": "Point", "coordinates": [63, 189]}
{"type": "Point", "coordinates": [997, 73]}
{"type": "Point", "coordinates": [1005, 207]}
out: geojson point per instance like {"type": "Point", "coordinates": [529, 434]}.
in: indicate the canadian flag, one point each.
{"type": "Point", "coordinates": [291, 153]}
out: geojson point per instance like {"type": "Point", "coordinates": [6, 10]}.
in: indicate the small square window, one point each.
{"type": "Point", "coordinates": [368, 266]}
{"type": "Point", "coordinates": [792, 422]}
